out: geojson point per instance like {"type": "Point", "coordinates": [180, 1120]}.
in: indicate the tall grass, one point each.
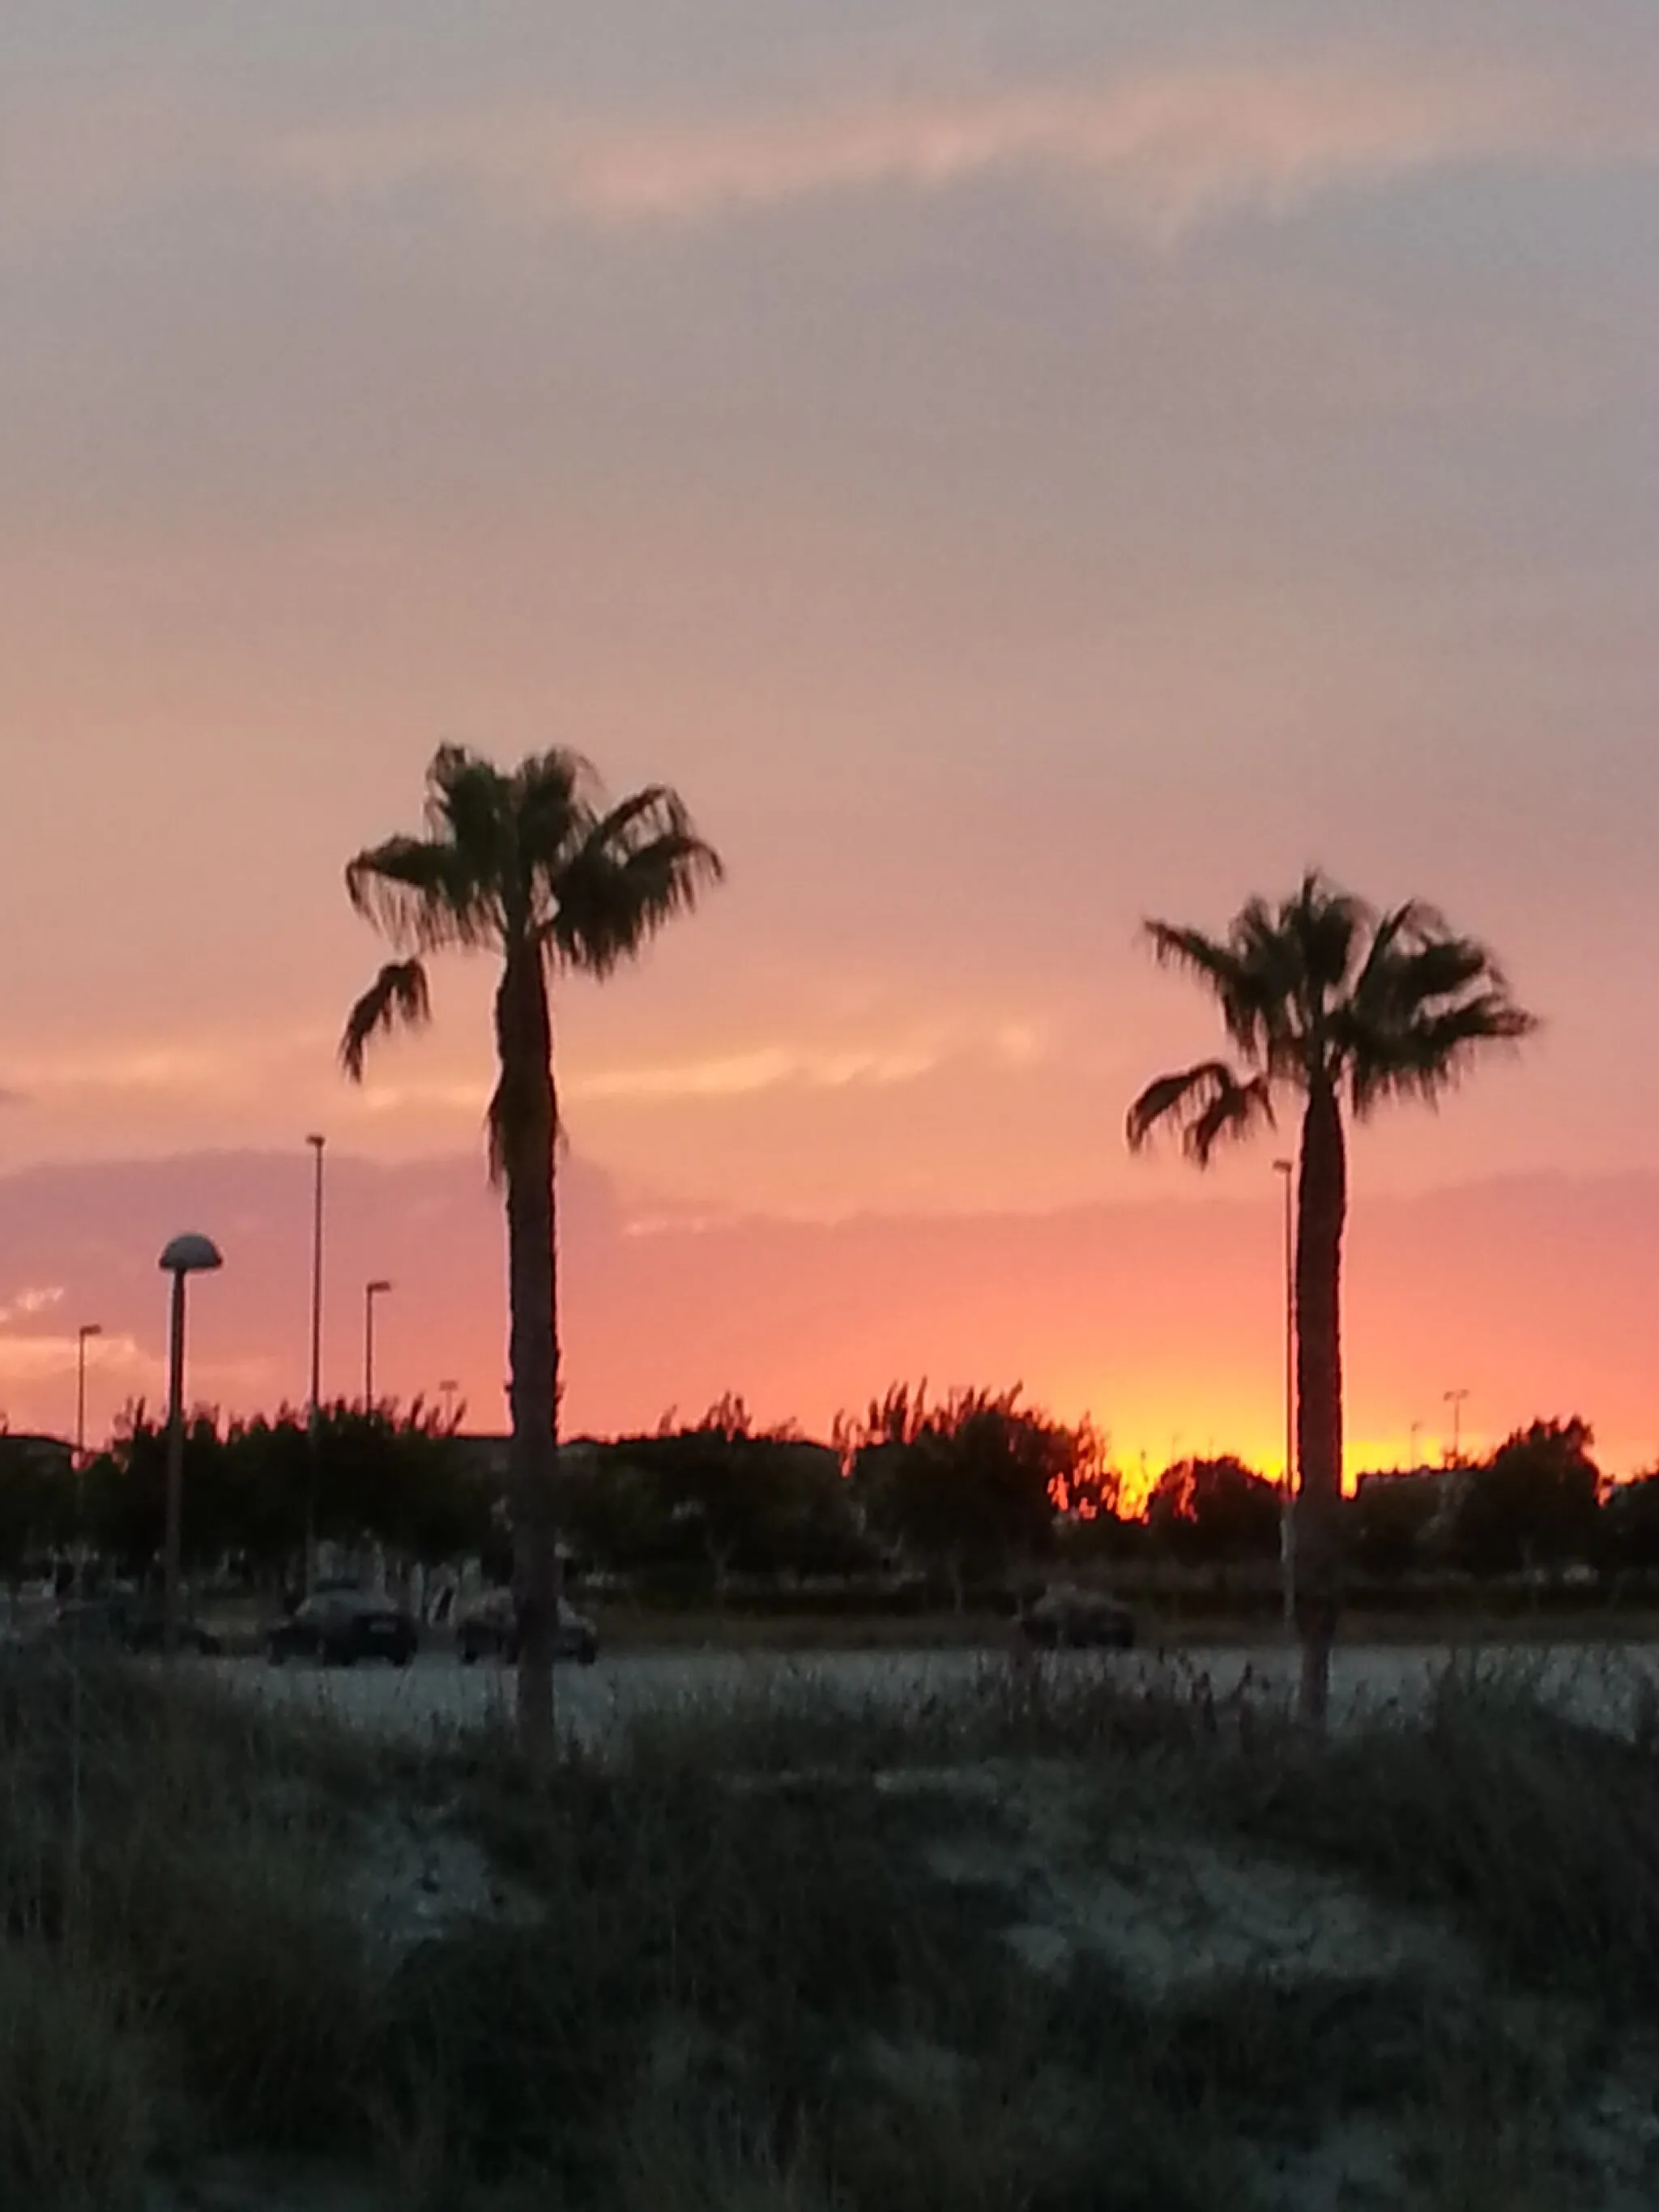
{"type": "Point", "coordinates": [1537, 1834]}
{"type": "Point", "coordinates": [744, 1968]}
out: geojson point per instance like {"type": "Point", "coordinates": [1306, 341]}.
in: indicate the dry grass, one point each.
{"type": "Point", "coordinates": [1538, 1835]}
{"type": "Point", "coordinates": [749, 1965]}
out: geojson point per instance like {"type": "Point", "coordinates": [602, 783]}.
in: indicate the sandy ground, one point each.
{"type": "Point", "coordinates": [1613, 1685]}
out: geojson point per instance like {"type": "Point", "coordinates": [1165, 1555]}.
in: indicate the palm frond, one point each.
{"type": "Point", "coordinates": [1208, 1104]}
{"type": "Point", "coordinates": [1241, 984]}
{"type": "Point", "coordinates": [1328, 927]}
{"type": "Point", "coordinates": [396, 999]}
{"type": "Point", "coordinates": [423, 893]}
{"type": "Point", "coordinates": [557, 799]}
{"type": "Point", "coordinates": [468, 804]}
{"type": "Point", "coordinates": [1402, 928]}
{"type": "Point", "coordinates": [639, 865]}
{"type": "Point", "coordinates": [1414, 977]}
{"type": "Point", "coordinates": [1426, 1002]}
{"type": "Point", "coordinates": [1202, 956]}
{"type": "Point", "coordinates": [1426, 1057]}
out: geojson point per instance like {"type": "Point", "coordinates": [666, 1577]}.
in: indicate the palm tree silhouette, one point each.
{"type": "Point", "coordinates": [535, 866]}
{"type": "Point", "coordinates": [1325, 999]}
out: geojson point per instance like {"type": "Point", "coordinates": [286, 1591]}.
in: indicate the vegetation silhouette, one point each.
{"type": "Point", "coordinates": [970, 1505]}
{"type": "Point", "coordinates": [1328, 1000]}
{"type": "Point", "coordinates": [537, 867]}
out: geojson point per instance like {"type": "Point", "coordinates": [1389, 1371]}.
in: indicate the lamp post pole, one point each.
{"type": "Point", "coordinates": [316, 1145]}
{"type": "Point", "coordinates": [87, 1328]}
{"type": "Point", "coordinates": [1454, 1400]}
{"type": "Point", "coordinates": [371, 1291]}
{"type": "Point", "coordinates": [314, 1414]}
{"type": "Point", "coordinates": [189, 1255]}
{"type": "Point", "coordinates": [1286, 1169]}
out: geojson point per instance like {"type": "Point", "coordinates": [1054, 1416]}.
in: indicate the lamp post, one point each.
{"type": "Point", "coordinates": [1454, 1400]}
{"type": "Point", "coordinates": [189, 1255]}
{"type": "Point", "coordinates": [448, 1392]}
{"type": "Point", "coordinates": [1286, 1169]}
{"type": "Point", "coordinates": [371, 1291]}
{"type": "Point", "coordinates": [317, 1144]}
{"type": "Point", "coordinates": [87, 1328]}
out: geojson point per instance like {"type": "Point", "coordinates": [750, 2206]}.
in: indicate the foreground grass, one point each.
{"type": "Point", "coordinates": [784, 1953]}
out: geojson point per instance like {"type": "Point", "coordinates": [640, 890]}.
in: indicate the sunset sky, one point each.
{"type": "Point", "coordinates": [1014, 470]}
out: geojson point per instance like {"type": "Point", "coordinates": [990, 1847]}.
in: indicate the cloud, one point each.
{"type": "Point", "coordinates": [878, 1066]}
{"type": "Point", "coordinates": [768, 1067]}
{"type": "Point", "coordinates": [32, 1359]}
{"type": "Point", "coordinates": [222, 1067]}
{"type": "Point", "coordinates": [1163, 147]}
{"type": "Point", "coordinates": [1160, 144]}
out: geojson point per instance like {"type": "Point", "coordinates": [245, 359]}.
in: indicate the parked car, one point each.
{"type": "Point", "coordinates": [133, 1623]}
{"type": "Point", "coordinates": [1065, 1619]}
{"type": "Point", "coordinates": [341, 1626]}
{"type": "Point", "coordinates": [491, 1631]}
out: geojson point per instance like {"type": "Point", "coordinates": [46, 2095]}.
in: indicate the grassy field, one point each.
{"type": "Point", "coordinates": [637, 1628]}
{"type": "Point", "coordinates": [1459, 1621]}
{"type": "Point", "coordinates": [1027, 1949]}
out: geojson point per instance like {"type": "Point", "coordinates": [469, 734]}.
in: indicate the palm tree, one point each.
{"type": "Point", "coordinates": [537, 868]}
{"type": "Point", "coordinates": [1325, 1000]}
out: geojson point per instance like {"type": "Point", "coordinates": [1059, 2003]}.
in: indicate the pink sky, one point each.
{"type": "Point", "coordinates": [1011, 479]}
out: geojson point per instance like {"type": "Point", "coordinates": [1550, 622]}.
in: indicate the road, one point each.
{"type": "Point", "coordinates": [437, 1697]}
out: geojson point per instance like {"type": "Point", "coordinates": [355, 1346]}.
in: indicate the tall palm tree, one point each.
{"type": "Point", "coordinates": [1327, 1001]}
{"type": "Point", "coordinates": [535, 866]}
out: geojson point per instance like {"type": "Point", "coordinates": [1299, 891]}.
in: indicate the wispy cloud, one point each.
{"type": "Point", "coordinates": [768, 1067]}
{"type": "Point", "coordinates": [861, 1066]}
{"type": "Point", "coordinates": [1163, 148]}
{"type": "Point", "coordinates": [867, 1063]}
{"type": "Point", "coordinates": [219, 1067]}
{"type": "Point", "coordinates": [1159, 145]}
{"type": "Point", "coordinates": [33, 1358]}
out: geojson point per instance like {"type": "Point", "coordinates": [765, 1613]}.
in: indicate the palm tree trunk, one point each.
{"type": "Point", "coordinates": [1321, 1209]}
{"type": "Point", "coordinates": [525, 1131]}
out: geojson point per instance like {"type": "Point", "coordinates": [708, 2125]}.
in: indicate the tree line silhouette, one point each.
{"type": "Point", "coordinates": [960, 1500]}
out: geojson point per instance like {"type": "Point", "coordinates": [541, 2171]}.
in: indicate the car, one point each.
{"type": "Point", "coordinates": [491, 1630]}
{"type": "Point", "coordinates": [1066, 1619]}
{"type": "Point", "coordinates": [341, 1626]}
{"type": "Point", "coordinates": [135, 1625]}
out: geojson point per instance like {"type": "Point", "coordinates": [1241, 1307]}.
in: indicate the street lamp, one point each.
{"type": "Point", "coordinates": [316, 1143]}
{"type": "Point", "coordinates": [189, 1255]}
{"type": "Point", "coordinates": [371, 1291]}
{"type": "Point", "coordinates": [1286, 1169]}
{"type": "Point", "coordinates": [448, 1391]}
{"type": "Point", "coordinates": [87, 1328]}
{"type": "Point", "coordinates": [1454, 1400]}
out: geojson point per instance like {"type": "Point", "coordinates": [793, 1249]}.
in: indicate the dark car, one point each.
{"type": "Point", "coordinates": [133, 1625]}
{"type": "Point", "coordinates": [491, 1631]}
{"type": "Point", "coordinates": [341, 1626]}
{"type": "Point", "coordinates": [1067, 1619]}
